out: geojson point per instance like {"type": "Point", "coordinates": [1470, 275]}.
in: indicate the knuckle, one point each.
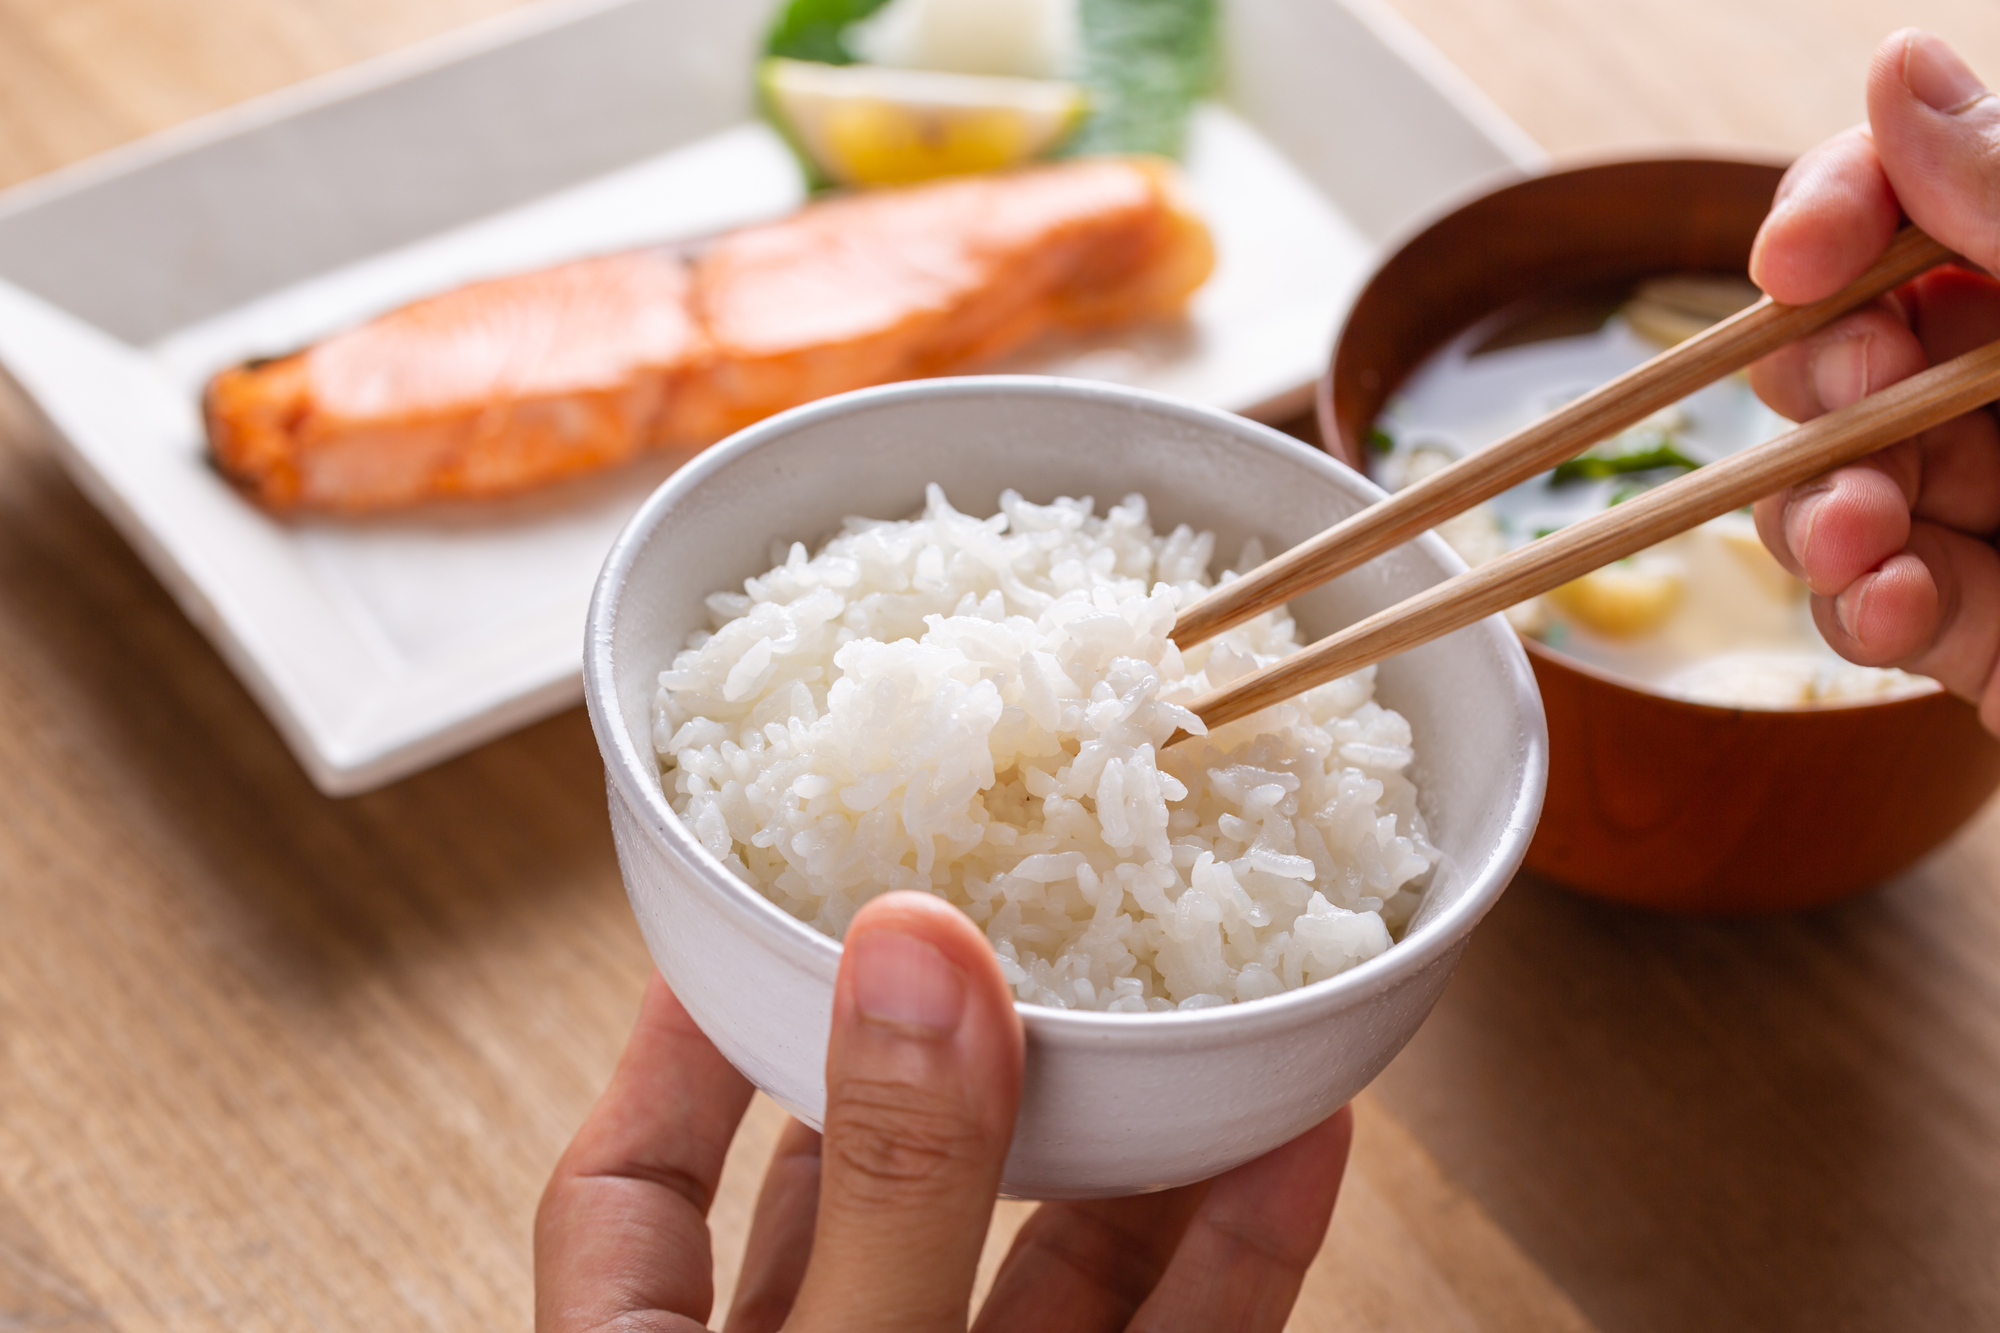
{"type": "Point", "coordinates": [889, 1140]}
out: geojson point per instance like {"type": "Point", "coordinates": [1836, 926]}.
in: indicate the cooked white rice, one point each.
{"type": "Point", "coordinates": [976, 708]}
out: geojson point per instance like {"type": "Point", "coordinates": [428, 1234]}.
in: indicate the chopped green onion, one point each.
{"type": "Point", "coordinates": [1379, 440]}
{"type": "Point", "coordinates": [1596, 467]}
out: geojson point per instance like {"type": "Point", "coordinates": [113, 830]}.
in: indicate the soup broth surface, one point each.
{"type": "Point", "coordinates": [1707, 616]}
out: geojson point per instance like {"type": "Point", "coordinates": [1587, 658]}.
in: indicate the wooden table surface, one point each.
{"type": "Point", "coordinates": [269, 1060]}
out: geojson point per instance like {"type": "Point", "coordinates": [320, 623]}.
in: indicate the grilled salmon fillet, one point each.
{"type": "Point", "coordinates": [504, 385]}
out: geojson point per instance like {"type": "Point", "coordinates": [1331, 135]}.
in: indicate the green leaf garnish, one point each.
{"type": "Point", "coordinates": [811, 29]}
{"type": "Point", "coordinates": [1145, 64]}
{"type": "Point", "coordinates": [1379, 440]}
{"type": "Point", "coordinates": [1596, 467]}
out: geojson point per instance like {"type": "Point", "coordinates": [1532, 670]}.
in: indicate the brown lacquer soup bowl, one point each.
{"type": "Point", "coordinates": [1654, 800]}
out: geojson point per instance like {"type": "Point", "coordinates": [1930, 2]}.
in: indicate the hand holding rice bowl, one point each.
{"type": "Point", "coordinates": [980, 709]}
{"type": "Point", "coordinates": [1115, 1102]}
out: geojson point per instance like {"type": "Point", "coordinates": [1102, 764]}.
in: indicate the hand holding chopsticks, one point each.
{"type": "Point", "coordinates": [1875, 422]}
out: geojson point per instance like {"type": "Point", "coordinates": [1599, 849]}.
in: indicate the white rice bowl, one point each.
{"type": "Point", "coordinates": [977, 708]}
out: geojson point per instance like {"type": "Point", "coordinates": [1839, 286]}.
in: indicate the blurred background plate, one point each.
{"type": "Point", "coordinates": [382, 646]}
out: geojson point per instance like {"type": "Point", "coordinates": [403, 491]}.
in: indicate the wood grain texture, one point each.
{"type": "Point", "coordinates": [1733, 1127]}
{"type": "Point", "coordinates": [1584, 77]}
{"type": "Point", "coordinates": [80, 76]}
{"type": "Point", "coordinates": [273, 1061]}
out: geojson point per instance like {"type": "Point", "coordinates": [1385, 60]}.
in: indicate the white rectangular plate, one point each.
{"type": "Point", "coordinates": [385, 645]}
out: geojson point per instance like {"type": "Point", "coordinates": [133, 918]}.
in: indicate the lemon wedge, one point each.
{"type": "Point", "coordinates": [873, 125]}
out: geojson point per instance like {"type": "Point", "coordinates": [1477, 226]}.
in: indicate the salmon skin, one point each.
{"type": "Point", "coordinates": [511, 383]}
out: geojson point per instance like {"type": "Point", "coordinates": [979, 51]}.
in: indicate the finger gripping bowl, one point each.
{"type": "Point", "coordinates": [1113, 1103]}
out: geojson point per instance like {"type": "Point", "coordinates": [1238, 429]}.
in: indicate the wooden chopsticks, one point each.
{"type": "Point", "coordinates": [1879, 420]}
{"type": "Point", "coordinates": [1667, 378]}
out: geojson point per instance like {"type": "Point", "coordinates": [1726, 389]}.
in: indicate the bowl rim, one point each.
{"type": "Point", "coordinates": [635, 777]}
{"type": "Point", "coordinates": [1476, 194]}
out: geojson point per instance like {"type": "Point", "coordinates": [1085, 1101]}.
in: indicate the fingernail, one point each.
{"type": "Point", "coordinates": [1787, 183]}
{"type": "Point", "coordinates": [1774, 221]}
{"type": "Point", "coordinates": [1799, 521]}
{"type": "Point", "coordinates": [1847, 606]}
{"type": "Point", "coordinates": [1840, 372]}
{"type": "Point", "coordinates": [1934, 72]}
{"type": "Point", "coordinates": [904, 980]}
